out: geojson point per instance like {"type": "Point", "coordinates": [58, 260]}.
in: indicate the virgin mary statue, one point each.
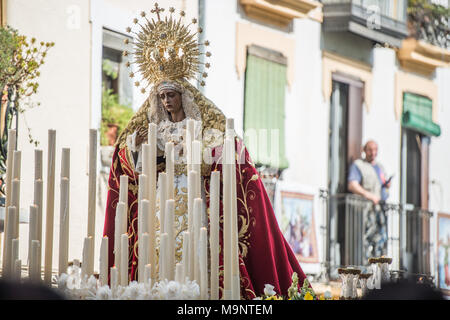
{"type": "Point", "coordinates": [167, 56]}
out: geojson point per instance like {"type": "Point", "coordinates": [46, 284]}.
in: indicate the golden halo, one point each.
{"type": "Point", "coordinates": [166, 49]}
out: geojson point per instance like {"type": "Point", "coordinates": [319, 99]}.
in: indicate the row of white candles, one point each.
{"type": "Point", "coordinates": [194, 263]}
{"type": "Point", "coordinates": [11, 265]}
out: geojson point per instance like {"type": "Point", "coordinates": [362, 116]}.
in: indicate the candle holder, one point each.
{"type": "Point", "coordinates": [363, 279]}
{"type": "Point", "coordinates": [382, 269]}
{"type": "Point", "coordinates": [348, 287]}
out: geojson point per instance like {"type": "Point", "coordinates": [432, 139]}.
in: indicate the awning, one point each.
{"type": "Point", "coordinates": [417, 115]}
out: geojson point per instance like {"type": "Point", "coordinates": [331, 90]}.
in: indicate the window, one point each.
{"type": "Point", "coordinates": [117, 88]}
{"type": "Point", "coordinates": [264, 110]}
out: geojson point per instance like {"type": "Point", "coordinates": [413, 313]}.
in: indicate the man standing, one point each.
{"type": "Point", "coordinates": [367, 178]}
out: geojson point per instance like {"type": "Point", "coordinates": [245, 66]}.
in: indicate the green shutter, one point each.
{"type": "Point", "coordinates": [418, 115]}
{"type": "Point", "coordinates": [265, 85]}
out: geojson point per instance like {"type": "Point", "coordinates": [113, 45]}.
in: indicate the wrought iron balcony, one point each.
{"type": "Point", "coordinates": [348, 234]}
{"type": "Point", "coordinates": [383, 21]}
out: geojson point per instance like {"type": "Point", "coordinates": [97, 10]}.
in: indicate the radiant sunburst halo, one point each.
{"type": "Point", "coordinates": [165, 49]}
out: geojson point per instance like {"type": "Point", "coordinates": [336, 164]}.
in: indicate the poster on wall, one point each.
{"type": "Point", "coordinates": [298, 225]}
{"type": "Point", "coordinates": [443, 248]}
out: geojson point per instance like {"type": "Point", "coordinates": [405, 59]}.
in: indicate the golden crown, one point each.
{"type": "Point", "coordinates": [166, 49]}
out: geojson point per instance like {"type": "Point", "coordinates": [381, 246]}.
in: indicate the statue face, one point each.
{"type": "Point", "coordinates": [171, 101]}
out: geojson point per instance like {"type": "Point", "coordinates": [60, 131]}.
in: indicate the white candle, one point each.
{"type": "Point", "coordinates": [64, 226]}
{"type": "Point", "coordinates": [192, 179]}
{"type": "Point", "coordinates": [9, 236]}
{"type": "Point", "coordinates": [9, 174]}
{"type": "Point", "coordinates": [203, 244]}
{"type": "Point", "coordinates": [92, 191]}
{"type": "Point", "coordinates": [169, 229]}
{"type": "Point", "coordinates": [162, 200]}
{"type": "Point", "coordinates": [114, 280]}
{"type": "Point", "coordinates": [147, 275]}
{"type": "Point", "coordinates": [17, 269]}
{"type": "Point", "coordinates": [146, 150]}
{"type": "Point", "coordinates": [152, 197]}
{"type": "Point", "coordinates": [214, 204]}
{"type": "Point", "coordinates": [185, 255]}
{"type": "Point", "coordinates": [38, 164]}
{"type": "Point", "coordinates": [17, 161]}
{"type": "Point", "coordinates": [65, 163]}
{"type": "Point", "coordinates": [170, 169]}
{"type": "Point", "coordinates": [123, 190]}
{"type": "Point", "coordinates": [143, 256]}
{"type": "Point", "coordinates": [33, 230]}
{"type": "Point", "coordinates": [124, 260]}
{"type": "Point", "coordinates": [197, 225]}
{"type": "Point", "coordinates": [163, 256]}
{"type": "Point", "coordinates": [179, 270]}
{"type": "Point", "coordinates": [227, 242]}
{"type": "Point", "coordinates": [190, 136]}
{"type": "Point", "coordinates": [38, 201]}
{"type": "Point", "coordinates": [85, 266]}
{"type": "Point", "coordinates": [15, 201]}
{"type": "Point", "coordinates": [14, 254]}
{"type": "Point", "coordinates": [196, 165]}
{"type": "Point", "coordinates": [121, 226]}
{"type": "Point", "coordinates": [103, 274]}
{"type": "Point", "coordinates": [50, 206]}
{"type": "Point", "coordinates": [34, 271]}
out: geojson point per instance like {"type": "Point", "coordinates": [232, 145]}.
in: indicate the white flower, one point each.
{"type": "Point", "coordinates": [268, 290]}
{"type": "Point", "coordinates": [104, 293]}
{"type": "Point", "coordinates": [327, 294]}
{"type": "Point", "coordinates": [257, 298]}
{"type": "Point", "coordinates": [62, 281]}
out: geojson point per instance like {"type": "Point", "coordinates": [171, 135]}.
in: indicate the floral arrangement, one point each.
{"type": "Point", "coordinates": [76, 286]}
{"type": "Point", "coordinates": [305, 293]}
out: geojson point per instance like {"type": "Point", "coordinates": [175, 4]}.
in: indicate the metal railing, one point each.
{"type": "Point", "coordinates": [354, 230]}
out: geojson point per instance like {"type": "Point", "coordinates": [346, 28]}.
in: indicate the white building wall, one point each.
{"type": "Point", "coordinates": [64, 93]}
{"type": "Point", "coordinates": [379, 123]}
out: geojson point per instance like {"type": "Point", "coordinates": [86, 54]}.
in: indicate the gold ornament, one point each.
{"type": "Point", "coordinates": [165, 48]}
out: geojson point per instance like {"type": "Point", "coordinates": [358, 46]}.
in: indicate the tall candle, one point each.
{"type": "Point", "coordinates": [50, 206]}
{"type": "Point", "coordinates": [103, 275]}
{"type": "Point", "coordinates": [147, 275]}
{"type": "Point", "coordinates": [185, 255]}
{"type": "Point", "coordinates": [17, 161]}
{"type": "Point", "coordinates": [203, 257]}
{"type": "Point", "coordinates": [38, 201]}
{"type": "Point", "coordinates": [152, 197]}
{"type": "Point", "coordinates": [86, 263]}
{"type": "Point", "coordinates": [64, 226]}
{"type": "Point", "coordinates": [38, 164]}
{"type": "Point", "coordinates": [227, 254]}
{"type": "Point", "coordinates": [121, 226]}
{"type": "Point", "coordinates": [123, 190]}
{"type": "Point", "coordinates": [162, 199]}
{"type": "Point", "coordinates": [143, 256]}
{"type": "Point", "coordinates": [92, 189]}
{"type": "Point", "coordinates": [196, 165]}
{"type": "Point", "coordinates": [124, 260]}
{"type": "Point", "coordinates": [170, 169]}
{"type": "Point", "coordinates": [65, 163]}
{"type": "Point", "coordinates": [146, 149]}
{"type": "Point", "coordinates": [179, 270]}
{"type": "Point", "coordinates": [192, 179]}
{"type": "Point", "coordinates": [17, 269]}
{"type": "Point", "coordinates": [169, 229]}
{"type": "Point", "coordinates": [34, 271]}
{"type": "Point", "coordinates": [9, 236]}
{"type": "Point", "coordinates": [163, 256]}
{"type": "Point", "coordinates": [33, 230]}
{"type": "Point", "coordinates": [190, 136]}
{"type": "Point", "coordinates": [14, 254]}
{"type": "Point", "coordinates": [9, 174]}
{"type": "Point", "coordinates": [214, 232]}
{"type": "Point", "coordinates": [197, 225]}
{"type": "Point", "coordinates": [15, 201]}
{"type": "Point", "coordinates": [114, 280]}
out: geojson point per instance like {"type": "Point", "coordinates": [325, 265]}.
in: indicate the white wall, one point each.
{"type": "Point", "coordinates": [65, 106]}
